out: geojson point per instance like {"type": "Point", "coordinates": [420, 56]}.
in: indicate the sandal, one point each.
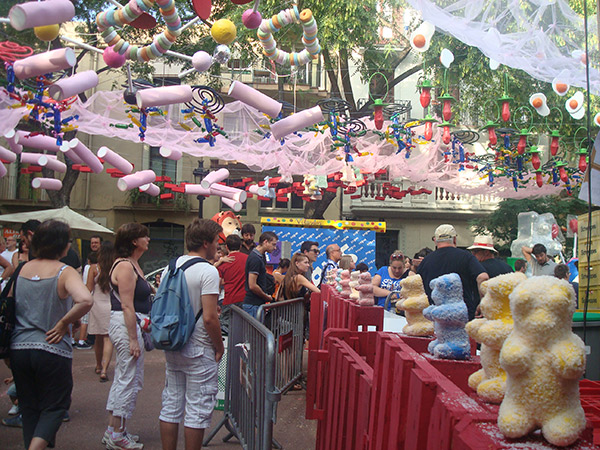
{"type": "Point", "coordinates": [103, 378]}
{"type": "Point", "coordinates": [98, 370]}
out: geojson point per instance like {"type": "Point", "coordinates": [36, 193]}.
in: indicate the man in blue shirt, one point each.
{"type": "Point", "coordinates": [334, 254]}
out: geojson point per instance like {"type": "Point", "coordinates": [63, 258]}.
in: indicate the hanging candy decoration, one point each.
{"type": "Point", "coordinates": [539, 180]}
{"type": "Point", "coordinates": [378, 102]}
{"type": "Point", "coordinates": [554, 134]}
{"type": "Point", "coordinates": [309, 37]}
{"type": "Point", "coordinates": [221, 54]}
{"type": "Point", "coordinates": [534, 151]}
{"type": "Point", "coordinates": [559, 85]}
{"type": "Point", "coordinates": [420, 38]}
{"type": "Point", "coordinates": [251, 18]}
{"type": "Point", "coordinates": [491, 129]}
{"type": "Point", "coordinates": [223, 31]}
{"type": "Point", "coordinates": [505, 101]}
{"type": "Point", "coordinates": [583, 151]}
{"type": "Point", "coordinates": [446, 99]}
{"type": "Point", "coordinates": [574, 105]}
{"type": "Point", "coordinates": [538, 101]}
{"type": "Point", "coordinates": [429, 121]}
{"type": "Point", "coordinates": [562, 171]}
{"type": "Point", "coordinates": [425, 97]}
{"type": "Point", "coordinates": [202, 8]}
{"type": "Point", "coordinates": [446, 58]}
{"type": "Point", "coordinates": [554, 142]}
{"type": "Point", "coordinates": [446, 136]}
{"type": "Point", "coordinates": [126, 15]}
{"type": "Point", "coordinates": [522, 144]}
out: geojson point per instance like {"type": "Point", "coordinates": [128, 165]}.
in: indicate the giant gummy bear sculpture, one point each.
{"type": "Point", "coordinates": [543, 360]}
{"type": "Point", "coordinates": [413, 301]}
{"type": "Point", "coordinates": [345, 290]}
{"type": "Point", "coordinates": [449, 313]}
{"type": "Point", "coordinates": [365, 290]}
{"type": "Point", "coordinates": [491, 332]}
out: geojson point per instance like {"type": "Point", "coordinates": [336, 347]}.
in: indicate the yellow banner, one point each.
{"type": "Point", "coordinates": [379, 227]}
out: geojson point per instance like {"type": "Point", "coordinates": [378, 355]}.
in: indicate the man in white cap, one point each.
{"type": "Point", "coordinates": [449, 259]}
{"type": "Point", "coordinates": [483, 249]}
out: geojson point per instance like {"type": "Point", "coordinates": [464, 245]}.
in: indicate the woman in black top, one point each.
{"type": "Point", "coordinates": [129, 297]}
{"type": "Point", "coordinates": [295, 284]}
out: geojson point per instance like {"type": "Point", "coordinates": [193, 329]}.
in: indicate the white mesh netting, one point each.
{"type": "Point", "coordinates": [545, 38]}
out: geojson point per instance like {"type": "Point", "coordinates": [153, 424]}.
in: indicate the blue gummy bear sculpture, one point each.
{"type": "Point", "coordinates": [449, 314]}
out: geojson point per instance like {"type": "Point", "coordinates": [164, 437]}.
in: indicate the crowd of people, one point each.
{"type": "Point", "coordinates": [110, 298]}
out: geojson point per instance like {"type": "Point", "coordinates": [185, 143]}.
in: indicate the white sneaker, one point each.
{"type": "Point", "coordinates": [14, 410]}
{"type": "Point", "coordinates": [124, 443]}
{"type": "Point", "coordinates": [106, 437]}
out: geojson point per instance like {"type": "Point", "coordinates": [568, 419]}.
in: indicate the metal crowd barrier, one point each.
{"type": "Point", "coordinates": [250, 393]}
{"type": "Point", "coordinates": [286, 320]}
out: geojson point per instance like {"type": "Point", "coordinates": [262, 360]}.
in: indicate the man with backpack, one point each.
{"type": "Point", "coordinates": [191, 377]}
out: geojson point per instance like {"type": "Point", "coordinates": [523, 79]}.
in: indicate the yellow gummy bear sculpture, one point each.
{"type": "Point", "coordinates": [543, 360]}
{"type": "Point", "coordinates": [413, 301]}
{"type": "Point", "coordinates": [491, 332]}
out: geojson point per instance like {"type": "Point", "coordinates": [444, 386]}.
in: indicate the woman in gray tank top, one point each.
{"type": "Point", "coordinates": [49, 297]}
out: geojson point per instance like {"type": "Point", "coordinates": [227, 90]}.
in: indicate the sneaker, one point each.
{"type": "Point", "coordinates": [84, 346]}
{"type": "Point", "coordinates": [106, 437]}
{"type": "Point", "coordinates": [124, 443]}
{"type": "Point", "coordinates": [66, 417]}
{"type": "Point", "coordinates": [16, 422]}
{"type": "Point", "coordinates": [14, 410]}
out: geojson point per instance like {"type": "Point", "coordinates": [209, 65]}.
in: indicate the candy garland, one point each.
{"type": "Point", "coordinates": [309, 37]}
{"type": "Point", "coordinates": [108, 20]}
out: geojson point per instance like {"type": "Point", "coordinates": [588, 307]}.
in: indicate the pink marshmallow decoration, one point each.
{"type": "Point", "coordinates": [115, 160]}
{"type": "Point", "coordinates": [68, 152]}
{"type": "Point", "coordinates": [74, 85]}
{"type": "Point", "coordinates": [52, 163]}
{"type": "Point", "coordinates": [38, 141]}
{"type": "Point", "coordinates": [236, 206]}
{"type": "Point", "coordinates": [39, 14]}
{"type": "Point", "coordinates": [150, 189]}
{"type": "Point", "coordinates": [201, 61]}
{"type": "Point", "coordinates": [7, 155]}
{"type": "Point", "coordinates": [215, 176]}
{"type": "Point", "coordinates": [168, 153]}
{"type": "Point", "coordinates": [31, 158]}
{"type": "Point", "coordinates": [251, 19]}
{"type": "Point", "coordinates": [86, 155]}
{"type": "Point", "coordinates": [135, 180]}
{"type": "Point", "coordinates": [43, 63]}
{"type": "Point", "coordinates": [11, 138]}
{"type": "Point", "coordinates": [296, 122]}
{"type": "Point", "coordinates": [196, 189]}
{"type": "Point", "coordinates": [167, 95]}
{"type": "Point", "coordinates": [228, 192]}
{"type": "Point", "coordinates": [254, 98]}
{"type": "Point", "coordinates": [113, 59]}
{"type": "Point", "coordinates": [52, 184]}
{"type": "Point", "coordinates": [3, 170]}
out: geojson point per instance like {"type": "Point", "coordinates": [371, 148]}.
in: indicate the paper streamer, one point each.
{"type": "Point", "coordinates": [254, 98]}
{"type": "Point", "coordinates": [11, 138]}
{"type": "Point", "coordinates": [296, 122]}
{"type": "Point", "coordinates": [86, 155]}
{"type": "Point", "coordinates": [39, 14]}
{"type": "Point", "coordinates": [168, 153]}
{"type": "Point", "coordinates": [115, 160]}
{"type": "Point", "coordinates": [74, 85]}
{"type": "Point", "coordinates": [150, 189]}
{"type": "Point", "coordinates": [136, 179]}
{"type": "Point", "coordinates": [52, 184]}
{"type": "Point", "coordinates": [214, 177]}
{"type": "Point", "coordinates": [38, 141]}
{"type": "Point", "coordinates": [228, 192]}
{"type": "Point", "coordinates": [236, 206]}
{"type": "Point", "coordinates": [52, 163]}
{"type": "Point", "coordinates": [7, 155]}
{"type": "Point", "coordinates": [161, 96]}
{"type": "Point", "coordinates": [43, 63]}
{"type": "Point", "coordinates": [196, 189]}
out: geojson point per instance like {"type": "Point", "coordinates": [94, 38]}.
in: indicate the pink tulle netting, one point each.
{"type": "Point", "coordinates": [545, 38]}
{"type": "Point", "coordinates": [302, 153]}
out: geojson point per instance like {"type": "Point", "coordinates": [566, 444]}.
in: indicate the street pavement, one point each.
{"type": "Point", "coordinates": [89, 417]}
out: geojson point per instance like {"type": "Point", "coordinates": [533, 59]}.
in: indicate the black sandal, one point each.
{"type": "Point", "coordinates": [103, 378]}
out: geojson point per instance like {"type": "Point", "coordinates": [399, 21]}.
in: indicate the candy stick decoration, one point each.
{"type": "Point", "coordinates": [150, 189]}
{"type": "Point", "coordinates": [170, 153]}
{"type": "Point", "coordinates": [296, 122]}
{"type": "Point", "coordinates": [196, 189]}
{"type": "Point", "coordinates": [7, 155]}
{"type": "Point", "coordinates": [254, 98]}
{"type": "Point", "coordinates": [74, 85]}
{"type": "Point", "coordinates": [51, 184]}
{"type": "Point", "coordinates": [86, 155]}
{"type": "Point", "coordinates": [37, 141]}
{"type": "Point", "coordinates": [43, 63]}
{"type": "Point", "coordinates": [235, 205]}
{"type": "Point", "coordinates": [228, 192]}
{"type": "Point", "coordinates": [3, 170]}
{"type": "Point", "coordinates": [68, 152]}
{"type": "Point", "coordinates": [30, 158]}
{"type": "Point", "coordinates": [136, 179]}
{"type": "Point", "coordinates": [115, 160]}
{"type": "Point", "coordinates": [52, 163]}
{"type": "Point", "coordinates": [39, 14]}
{"type": "Point", "coordinates": [11, 138]}
{"type": "Point", "coordinates": [166, 95]}
{"type": "Point", "coordinates": [214, 177]}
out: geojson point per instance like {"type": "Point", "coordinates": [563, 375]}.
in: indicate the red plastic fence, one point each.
{"type": "Point", "coordinates": [379, 393]}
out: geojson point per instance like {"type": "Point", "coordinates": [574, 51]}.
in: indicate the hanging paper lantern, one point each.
{"type": "Point", "coordinates": [425, 97]}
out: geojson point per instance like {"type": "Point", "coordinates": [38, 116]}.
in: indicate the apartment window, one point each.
{"type": "Point", "coordinates": [162, 166]}
{"type": "Point", "coordinates": [294, 203]}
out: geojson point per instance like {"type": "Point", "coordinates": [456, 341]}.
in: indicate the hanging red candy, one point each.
{"type": "Point", "coordinates": [562, 171]}
{"type": "Point", "coordinates": [505, 101]}
{"type": "Point", "coordinates": [582, 152]}
{"type": "Point", "coordinates": [446, 137]}
{"type": "Point", "coordinates": [491, 129]}
{"type": "Point", "coordinates": [535, 157]}
{"type": "Point", "coordinates": [429, 127]}
{"type": "Point", "coordinates": [522, 141]}
{"type": "Point", "coordinates": [538, 178]}
{"type": "Point", "coordinates": [378, 113]}
{"type": "Point", "coordinates": [425, 97]}
{"type": "Point", "coordinates": [447, 100]}
{"type": "Point", "coordinates": [554, 142]}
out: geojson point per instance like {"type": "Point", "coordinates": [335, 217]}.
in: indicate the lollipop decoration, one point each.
{"type": "Point", "coordinates": [309, 37]}
{"type": "Point", "coordinates": [251, 17]}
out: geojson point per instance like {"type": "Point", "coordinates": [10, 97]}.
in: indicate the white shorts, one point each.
{"type": "Point", "coordinates": [190, 388]}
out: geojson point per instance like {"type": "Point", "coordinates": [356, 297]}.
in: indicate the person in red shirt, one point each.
{"type": "Point", "coordinates": [232, 275]}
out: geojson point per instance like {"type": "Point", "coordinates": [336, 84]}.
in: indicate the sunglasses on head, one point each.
{"type": "Point", "coordinates": [396, 256]}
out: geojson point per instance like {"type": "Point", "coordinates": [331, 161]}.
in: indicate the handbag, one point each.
{"type": "Point", "coordinates": [7, 313]}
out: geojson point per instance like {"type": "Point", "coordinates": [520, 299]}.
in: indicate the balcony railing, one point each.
{"type": "Point", "coordinates": [374, 196]}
